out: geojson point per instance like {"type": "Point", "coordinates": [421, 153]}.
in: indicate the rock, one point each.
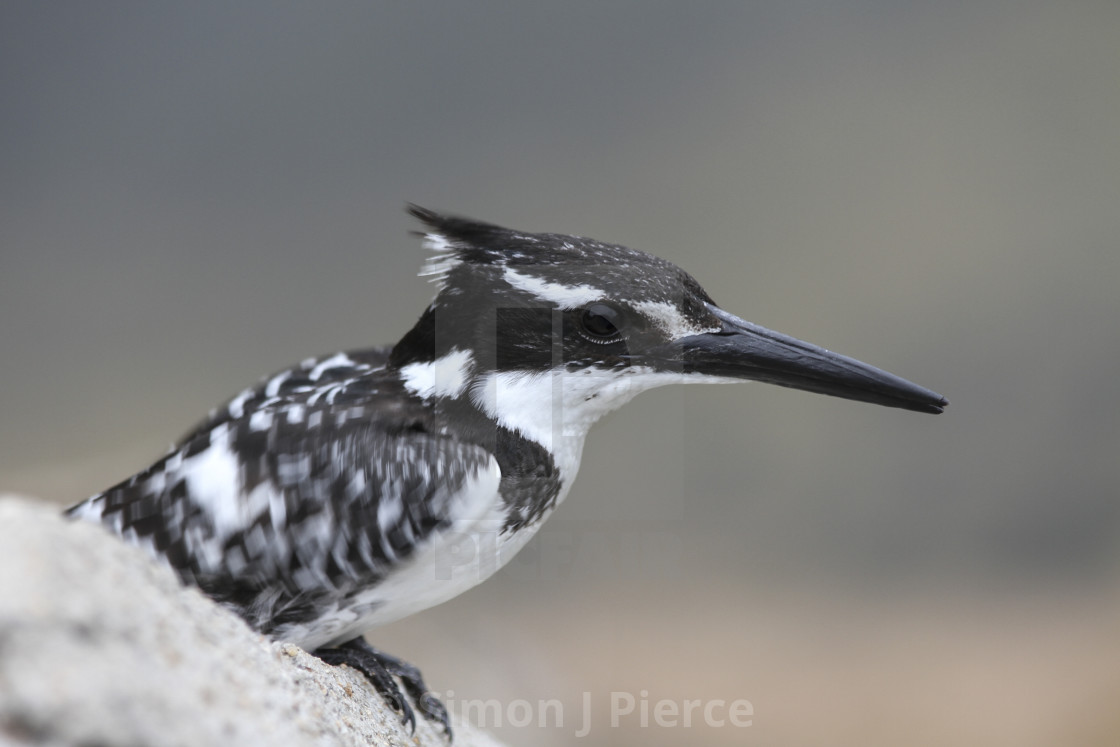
{"type": "Point", "coordinates": [99, 646]}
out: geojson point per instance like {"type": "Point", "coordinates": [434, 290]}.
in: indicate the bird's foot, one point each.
{"type": "Point", "coordinates": [380, 668]}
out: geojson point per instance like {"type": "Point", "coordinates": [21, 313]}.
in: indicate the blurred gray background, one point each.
{"type": "Point", "coordinates": [195, 195]}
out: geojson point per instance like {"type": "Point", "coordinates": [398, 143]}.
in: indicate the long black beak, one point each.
{"type": "Point", "coordinates": [742, 350]}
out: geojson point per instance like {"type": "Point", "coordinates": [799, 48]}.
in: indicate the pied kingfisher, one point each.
{"type": "Point", "coordinates": [355, 489]}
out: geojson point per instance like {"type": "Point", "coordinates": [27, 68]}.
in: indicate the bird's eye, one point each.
{"type": "Point", "coordinates": [600, 322]}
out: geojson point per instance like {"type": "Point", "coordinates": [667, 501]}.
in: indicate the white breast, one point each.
{"type": "Point", "coordinates": [454, 560]}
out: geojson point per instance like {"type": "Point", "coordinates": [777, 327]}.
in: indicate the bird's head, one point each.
{"type": "Point", "coordinates": [525, 323]}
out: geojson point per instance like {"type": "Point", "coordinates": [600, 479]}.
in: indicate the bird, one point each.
{"type": "Point", "coordinates": [358, 488]}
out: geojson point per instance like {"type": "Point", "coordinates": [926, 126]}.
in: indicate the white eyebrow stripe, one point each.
{"type": "Point", "coordinates": [670, 320]}
{"type": "Point", "coordinates": [564, 296]}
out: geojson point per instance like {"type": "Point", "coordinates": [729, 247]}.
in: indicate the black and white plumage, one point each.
{"type": "Point", "coordinates": [358, 488]}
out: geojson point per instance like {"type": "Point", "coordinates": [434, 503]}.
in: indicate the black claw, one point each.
{"type": "Point", "coordinates": [380, 668]}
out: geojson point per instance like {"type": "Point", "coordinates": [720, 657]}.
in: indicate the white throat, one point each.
{"type": "Point", "coordinates": [557, 408]}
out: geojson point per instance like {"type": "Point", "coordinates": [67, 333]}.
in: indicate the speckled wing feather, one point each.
{"type": "Point", "coordinates": [300, 493]}
{"type": "Point", "coordinates": [321, 374]}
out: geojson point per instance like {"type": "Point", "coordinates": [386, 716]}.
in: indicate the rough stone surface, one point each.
{"type": "Point", "coordinates": [98, 646]}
